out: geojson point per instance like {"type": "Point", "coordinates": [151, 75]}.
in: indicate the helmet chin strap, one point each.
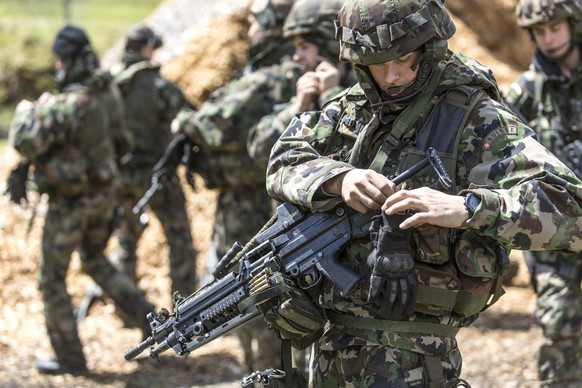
{"type": "Point", "coordinates": [562, 57]}
{"type": "Point", "coordinates": [414, 87]}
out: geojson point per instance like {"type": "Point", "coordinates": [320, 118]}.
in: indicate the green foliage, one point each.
{"type": "Point", "coordinates": [27, 29]}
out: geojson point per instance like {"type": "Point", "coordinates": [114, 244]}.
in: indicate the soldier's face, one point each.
{"type": "Point", "coordinates": [553, 38]}
{"type": "Point", "coordinates": [306, 54]}
{"type": "Point", "coordinates": [393, 77]}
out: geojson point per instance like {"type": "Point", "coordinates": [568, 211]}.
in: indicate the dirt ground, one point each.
{"type": "Point", "coordinates": [499, 349]}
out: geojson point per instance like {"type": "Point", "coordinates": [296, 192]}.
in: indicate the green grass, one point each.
{"type": "Point", "coordinates": [28, 27]}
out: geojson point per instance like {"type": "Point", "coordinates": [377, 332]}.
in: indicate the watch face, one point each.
{"type": "Point", "coordinates": [472, 202]}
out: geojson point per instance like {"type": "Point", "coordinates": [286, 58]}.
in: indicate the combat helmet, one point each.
{"type": "Point", "coordinates": [73, 47]}
{"type": "Point", "coordinates": [377, 31]}
{"type": "Point", "coordinates": [532, 12]}
{"type": "Point", "coordinates": [270, 15]}
{"type": "Point", "coordinates": [315, 19]}
{"type": "Point", "coordinates": [136, 39]}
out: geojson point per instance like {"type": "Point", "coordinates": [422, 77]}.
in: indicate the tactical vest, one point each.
{"type": "Point", "coordinates": [144, 93]}
{"type": "Point", "coordinates": [459, 272]}
{"type": "Point", "coordinates": [469, 277]}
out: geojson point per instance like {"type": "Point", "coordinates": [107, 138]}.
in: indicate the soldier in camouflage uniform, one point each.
{"type": "Point", "coordinates": [549, 96]}
{"type": "Point", "coordinates": [151, 103]}
{"type": "Point", "coordinates": [73, 140]}
{"type": "Point", "coordinates": [310, 24]}
{"type": "Point", "coordinates": [221, 127]}
{"type": "Point", "coordinates": [434, 257]}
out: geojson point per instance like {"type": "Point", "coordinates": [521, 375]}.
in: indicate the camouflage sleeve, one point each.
{"type": "Point", "coordinates": [224, 121]}
{"type": "Point", "coordinates": [301, 147]}
{"type": "Point", "coordinates": [329, 94]}
{"type": "Point", "coordinates": [530, 200]}
{"type": "Point", "coordinates": [264, 135]}
{"type": "Point", "coordinates": [520, 96]}
{"type": "Point", "coordinates": [38, 126]}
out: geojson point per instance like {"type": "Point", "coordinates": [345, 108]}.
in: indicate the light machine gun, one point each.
{"type": "Point", "coordinates": [302, 245]}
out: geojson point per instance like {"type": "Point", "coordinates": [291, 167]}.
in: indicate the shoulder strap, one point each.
{"type": "Point", "coordinates": [406, 120]}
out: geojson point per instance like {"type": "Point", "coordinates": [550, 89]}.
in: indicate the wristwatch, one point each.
{"type": "Point", "coordinates": [472, 202]}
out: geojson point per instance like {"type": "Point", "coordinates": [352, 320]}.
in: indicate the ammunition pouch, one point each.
{"type": "Point", "coordinates": [469, 285]}
{"type": "Point", "coordinates": [292, 314]}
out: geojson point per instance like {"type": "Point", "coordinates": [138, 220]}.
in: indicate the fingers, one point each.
{"type": "Point", "coordinates": [428, 206]}
{"type": "Point", "coordinates": [365, 190]}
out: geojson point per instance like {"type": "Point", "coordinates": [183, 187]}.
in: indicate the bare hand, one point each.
{"type": "Point", "coordinates": [328, 74]}
{"type": "Point", "coordinates": [429, 207]}
{"type": "Point", "coordinates": [362, 190]}
{"type": "Point", "coordinates": [307, 90]}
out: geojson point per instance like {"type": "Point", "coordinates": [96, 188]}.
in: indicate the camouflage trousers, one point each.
{"type": "Point", "coordinates": [375, 366]}
{"type": "Point", "coordinates": [556, 278]}
{"type": "Point", "coordinates": [239, 216]}
{"type": "Point", "coordinates": [86, 225]}
{"type": "Point", "coordinates": [169, 206]}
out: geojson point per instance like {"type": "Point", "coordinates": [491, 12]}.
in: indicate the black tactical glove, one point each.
{"type": "Point", "coordinates": [16, 182]}
{"type": "Point", "coordinates": [392, 290]}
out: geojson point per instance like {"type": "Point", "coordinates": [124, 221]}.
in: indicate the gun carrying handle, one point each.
{"type": "Point", "coordinates": [342, 277]}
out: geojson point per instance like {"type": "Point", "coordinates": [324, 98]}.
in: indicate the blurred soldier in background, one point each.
{"type": "Point", "coordinates": [549, 96]}
{"type": "Point", "coordinates": [74, 140]}
{"type": "Point", "coordinates": [310, 25]}
{"type": "Point", "coordinates": [151, 103]}
{"type": "Point", "coordinates": [221, 127]}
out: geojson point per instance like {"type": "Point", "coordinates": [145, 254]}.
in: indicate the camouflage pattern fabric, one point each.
{"type": "Point", "coordinates": [523, 187]}
{"type": "Point", "coordinates": [86, 118]}
{"type": "Point", "coordinates": [412, 23]}
{"type": "Point", "coordinates": [221, 128]}
{"type": "Point", "coordinates": [313, 20]}
{"type": "Point", "coordinates": [337, 365]}
{"type": "Point", "coordinates": [263, 136]}
{"type": "Point", "coordinates": [151, 102]}
{"type": "Point", "coordinates": [532, 12]}
{"type": "Point", "coordinates": [556, 275]}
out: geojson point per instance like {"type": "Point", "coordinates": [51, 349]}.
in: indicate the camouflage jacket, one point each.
{"type": "Point", "coordinates": [263, 136]}
{"type": "Point", "coordinates": [222, 124]}
{"type": "Point", "coordinates": [549, 100]}
{"type": "Point", "coordinates": [522, 186]}
{"type": "Point", "coordinates": [151, 103]}
{"type": "Point", "coordinates": [73, 139]}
